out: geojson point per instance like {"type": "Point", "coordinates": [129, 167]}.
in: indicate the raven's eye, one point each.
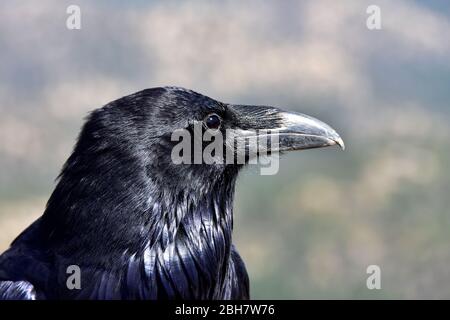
{"type": "Point", "coordinates": [213, 121]}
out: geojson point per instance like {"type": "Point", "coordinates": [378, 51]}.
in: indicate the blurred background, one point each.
{"type": "Point", "coordinates": [311, 230]}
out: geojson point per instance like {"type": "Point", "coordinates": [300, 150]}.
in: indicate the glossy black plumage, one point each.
{"type": "Point", "coordinates": [138, 225]}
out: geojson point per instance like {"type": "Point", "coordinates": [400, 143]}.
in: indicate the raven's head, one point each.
{"type": "Point", "coordinates": [149, 127]}
{"type": "Point", "coordinates": [121, 190]}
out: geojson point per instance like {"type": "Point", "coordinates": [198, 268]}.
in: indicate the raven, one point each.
{"type": "Point", "coordinates": [137, 225]}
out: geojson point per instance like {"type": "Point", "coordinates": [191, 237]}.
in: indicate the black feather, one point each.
{"type": "Point", "coordinates": [137, 225]}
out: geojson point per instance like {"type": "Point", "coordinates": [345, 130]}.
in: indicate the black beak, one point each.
{"type": "Point", "coordinates": [299, 131]}
{"type": "Point", "coordinates": [294, 131]}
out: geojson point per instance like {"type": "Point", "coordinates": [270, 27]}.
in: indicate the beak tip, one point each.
{"type": "Point", "coordinates": [340, 143]}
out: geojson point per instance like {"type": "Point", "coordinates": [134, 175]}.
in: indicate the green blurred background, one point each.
{"type": "Point", "coordinates": [311, 230]}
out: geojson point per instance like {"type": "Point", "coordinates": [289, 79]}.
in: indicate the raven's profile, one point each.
{"type": "Point", "coordinates": [136, 224]}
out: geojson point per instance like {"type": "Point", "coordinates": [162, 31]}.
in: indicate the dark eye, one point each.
{"type": "Point", "coordinates": [213, 121]}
